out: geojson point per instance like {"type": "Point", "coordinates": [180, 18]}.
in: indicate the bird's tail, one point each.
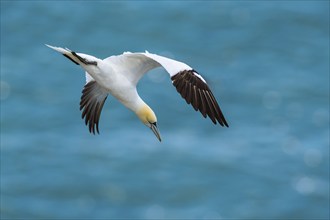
{"type": "Point", "coordinates": [66, 52]}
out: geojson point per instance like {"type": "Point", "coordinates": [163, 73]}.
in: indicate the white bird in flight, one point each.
{"type": "Point", "coordinates": [119, 75]}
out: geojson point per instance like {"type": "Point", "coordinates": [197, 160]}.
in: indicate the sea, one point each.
{"type": "Point", "coordinates": [267, 63]}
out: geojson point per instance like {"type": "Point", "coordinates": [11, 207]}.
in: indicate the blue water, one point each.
{"type": "Point", "coordinates": [267, 63]}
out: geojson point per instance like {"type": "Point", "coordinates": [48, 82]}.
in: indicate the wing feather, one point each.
{"type": "Point", "coordinates": [203, 104]}
{"type": "Point", "coordinates": [195, 102]}
{"type": "Point", "coordinates": [199, 95]}
{"type": "Point", "coordinates": [91, 103]}
{"type": "Point", "coordinates": [189, 94]}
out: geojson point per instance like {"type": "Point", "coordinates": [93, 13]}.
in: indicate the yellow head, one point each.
{"type": "Point", "coordinates": [148, 117]}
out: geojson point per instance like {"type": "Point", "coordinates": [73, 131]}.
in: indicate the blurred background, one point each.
{"type": "Point", "coordinates": [267, 63]}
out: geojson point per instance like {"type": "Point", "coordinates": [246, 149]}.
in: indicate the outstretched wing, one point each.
{"type": "Point", "coordinates": [197, 93]}
{"type": "Point", "coordinates": [191, 85]}
{"type": "Point", "coordinates": [132, 65]}
{"type": "Point", "coordinates": [91, 103]}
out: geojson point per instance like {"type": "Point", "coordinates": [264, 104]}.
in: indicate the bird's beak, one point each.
{"type": "Point", "coordinates": [153, 127]}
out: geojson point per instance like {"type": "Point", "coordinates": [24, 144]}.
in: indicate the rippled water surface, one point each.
{"type": "Point", "coordinates": [267, 63]}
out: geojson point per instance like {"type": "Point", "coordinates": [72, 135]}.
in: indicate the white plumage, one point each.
{"type": "Point", "coordinates": [119, 75]}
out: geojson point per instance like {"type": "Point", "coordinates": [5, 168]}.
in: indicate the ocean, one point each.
{"type": "Point", "coordinates": [267, 63]}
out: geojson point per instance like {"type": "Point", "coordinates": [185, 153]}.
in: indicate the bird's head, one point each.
{"type": "Point", "coordinates": [148, 117]}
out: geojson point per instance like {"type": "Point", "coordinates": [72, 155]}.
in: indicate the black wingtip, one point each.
{"type": "Point", "coordinates": [91, 104]}
{"type": "Point", "coordinates": [196, 92]}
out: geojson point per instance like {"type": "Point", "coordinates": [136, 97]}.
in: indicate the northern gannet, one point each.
{"type": "Point", "coordinates": [119, 75]}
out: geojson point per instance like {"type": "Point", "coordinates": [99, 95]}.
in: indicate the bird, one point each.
{"type": "Point", "coordinates": [118, 75]}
